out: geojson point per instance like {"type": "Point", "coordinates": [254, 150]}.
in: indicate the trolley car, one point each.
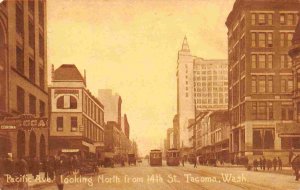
{"type": "Point", "coordinates": [155, 158]}
{"type": "Point", "coordinates": [173, 157]}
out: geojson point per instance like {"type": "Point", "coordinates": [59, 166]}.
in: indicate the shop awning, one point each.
{"type": "Point", "coordinates": [69, 150]}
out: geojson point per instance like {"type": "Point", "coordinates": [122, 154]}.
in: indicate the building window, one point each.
{"type": "Point", "coordinates": [263, 138]}
{"type": "Point", "coordinates": [42, 78]}
{"type": "Point", "coordinates": [254, 110]}
{"type": "Point", "coordinates": [287, 112]}
{"type": "Point", "coordinates": [31, 6]}
{"type": "Point", "coordinates": [73, 103]}
{"type": "Point", "coordinates": [253, 61]}
{"type": "Point", "coordinates": [19, 18]}
{"type": "Point", "coordinates": [31, 34]}
{"type": "Point", "coordinates": [289, 39]}
{"type": "Point", "coordinates": [253, 85]}
{"type": "Point", "coordinates": [31, 70]}
{"type": "Point", "coordinates": [270, 19]}
{"type": "Point", "coordinates": [41, 12]}
{"type": "Point", "coordinates": [20, 100]}
{"type": "Point", "coordinates": [59, 123]}
{"type": "Point", "coordinates": [253, 19]}
{"type": "Point", "coordinates": [262, 61]}
{"type": "Point", "coordinates": [270, 111]}
{"type": "Point", "coordinates": [282, 41]}
{"type": "Point", "coordinates": [42, 109]}
{"type": "Point", "coordinates": [290, 19]}
{"type": "Point", "coordinates": [282, 19]}
{"type": "Point", "coordinates": [66, 102]}
{"type": "Point", "coordinates": [270, 84]}
{"type": "Point", "coordinates": [41, 46]}
{"type": "Point", "coordinates": [74, 125]}
{"type": "Point", "coordinates": [60, 103]}
{"type": "Point", "coordinates": [270, 61]}
{"type": "Point", "coordinates": [253, 39]}
{"type": "Point", "coordinates": [270, 40]}
{"type": "Point", "coordinates": [261, 39]}
{"type": "Point", "coordinates": [261, 84]}
{"type": "Point", "coordinates": [283, 85]}
{"type": "Point", "coordinates": [32, 104]}
{"type": "Point", "coordinates": [286, 84]}
{"type": "Point", "coordinates": [261, 111]}
{"type": "Point", "coordinates": [261, 19]}
{"type": "Point", "coordinates": [20, 60]}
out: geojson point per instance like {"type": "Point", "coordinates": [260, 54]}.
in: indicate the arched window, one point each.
{"type": "Point", "coordinates": [60, 103]}
{"type": "Point", "coordinates": [73, 103]}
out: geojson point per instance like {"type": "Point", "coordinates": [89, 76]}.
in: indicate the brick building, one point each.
{"type": "Point", "coordinates": [76, 116]}
{"type": "Point", "coordinates": [260, 75]}
{"type": "Point", "coordinates": [23, 74]}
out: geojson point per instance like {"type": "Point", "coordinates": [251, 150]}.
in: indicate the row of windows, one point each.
{"type": "Point", "coordinates": [31, 69]}
{"type": "Point", "coordinates": [91, 131]}
{"type": "Point", "coordinates": [66, 102]}
{"type": "Point", "coordinates": [211, 101]}
{"type": "Point", "coordinates": [60, 124]}
{"type": "Point", "coordinates": [289, 19]}
{"type": "Point", "coordinates": [92, 110]}
{"type": "Point", "coordinates": [262, 84]}
{"type": "Point", "coordinates": [262, 39]}
{"type": "Point", "coordinates": [31, 33]}
{"type": "Point", "coordinates": [31, 103]}
{"type": "Point", "coordinates": [207, 91]}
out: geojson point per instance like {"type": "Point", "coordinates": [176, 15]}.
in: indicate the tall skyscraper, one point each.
{"type": "Point", "coordinates": [260, 74]}
{"type": "Point", "coordinates": [201, 85]}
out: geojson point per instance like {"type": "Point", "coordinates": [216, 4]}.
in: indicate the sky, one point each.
{"type": "Point", "coordinates": [131, 47]}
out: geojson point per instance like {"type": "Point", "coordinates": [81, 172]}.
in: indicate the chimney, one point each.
{"type": "Point", "coordinates": [52, 72]}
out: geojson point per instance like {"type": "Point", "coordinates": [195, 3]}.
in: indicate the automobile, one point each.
{"type": "Point", "coordinates": [139, 160]}
{"type": "Point", "coordinates": [88, 167]}
{"type": "Point", "coordinates": [131, 159]}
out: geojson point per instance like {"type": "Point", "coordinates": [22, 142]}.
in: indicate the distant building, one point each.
{"type": "Point", "coordinates": [213, 130]}
{"type": "Point", "coordinates": [112, 104]}
{"type": "Point", "coordinates": [23, 74]}
{"type": "Point", "coordinates": [170, 136]}
{"type": "Point", "coordinates": [76, 116]}
{"type": "Point", "coordinates": [176, 130]}
{"type": "Point", "coordinates": [201, 85]}
{"type": "Point", "coordinates": [260, 75]}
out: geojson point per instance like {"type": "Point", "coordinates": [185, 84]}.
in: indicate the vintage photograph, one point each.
{"type": "Point", "coordinates": [150, 94]}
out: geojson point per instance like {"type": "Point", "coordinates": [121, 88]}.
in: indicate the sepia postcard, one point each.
{"type": "Point", "coordinates": [150, 94]}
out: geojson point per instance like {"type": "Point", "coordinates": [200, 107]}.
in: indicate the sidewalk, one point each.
{"type": "Point", "coordinates": [284, 171]}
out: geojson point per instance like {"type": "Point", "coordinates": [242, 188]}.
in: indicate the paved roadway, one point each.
{"type": "Point", "coordinates": [144, 177]}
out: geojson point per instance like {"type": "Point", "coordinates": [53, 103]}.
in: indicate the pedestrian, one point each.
{"type": "Point", "coordinates": [45, 167]}
{"type": "Point", "coordinates": [291, 154]}
{"type": "Point", "coordinates": [269, 164]}
{"type": "Point", "coordinates": [274, 163]}
{"type": "Point", "coordinates": [182, 162]}
{"type": "Point", "coordinates": [9, 166]}
{"type": "Point", "coordinates": [255, 164]}
{"type": "Point", "coordinates": [35, 167]}
{"type": "Point", "coordinates": [60, 172]}
{"type": "Point", "coordinates": [51, 167]}
{"type": "Point", "coordinates": [264, 163]}
{"type": "Point", "coordinates": [195, 163]}
{"type": "Point", "coordinates": [260, 163]}
{"type": "Point", "coordinates": [279, 163]}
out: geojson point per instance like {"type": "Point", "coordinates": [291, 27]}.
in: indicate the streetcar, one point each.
{"type": "Point", "coordinates": [173, 157]}
{"type": "Point", "coordinates": [155, 158]}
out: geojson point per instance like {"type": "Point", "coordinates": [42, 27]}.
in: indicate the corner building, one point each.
{"type": "Point", "coordinates": [76, 116]}
{"type": "Point", "coordinates": [260, 75]}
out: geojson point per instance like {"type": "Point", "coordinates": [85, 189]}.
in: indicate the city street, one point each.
{"type": "Point", "coordinates": [187, 177]}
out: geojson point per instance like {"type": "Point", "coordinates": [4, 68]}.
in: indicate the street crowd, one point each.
{"type": "Point", "coordinates": [53, 168]}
